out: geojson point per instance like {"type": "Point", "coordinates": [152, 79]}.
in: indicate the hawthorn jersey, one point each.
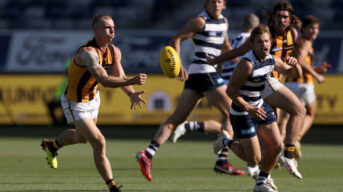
{"type": "Point", "coordinates": [82, 86]}
{"type": "Point", "coordinates": [282, 46]}
{"type": "Point", "coordinates": [307, 77]}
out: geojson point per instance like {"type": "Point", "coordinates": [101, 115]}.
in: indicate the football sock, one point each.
{"type": "Point", "coordinates": [195, 126]}
{"type": "Point", "coordinates": [262, 175]}
{"type": "Point", "coordinates": [151, 149]}
{"type": "Point", "coordinates": [222, 157]}
{"type": "Point", "coordinates": [55, 145]}
{"type": "Point", "coordinates": [228, 142]}
{"type": "Point", "coordinates": [110, 183]}
{"type": "Point", "coordinates": [289, 151]}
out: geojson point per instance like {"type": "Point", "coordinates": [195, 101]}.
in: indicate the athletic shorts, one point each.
{"type": "Point", "coordinates": [201, 82]}
{"type": "Point", "coordinates": [245, 126]}
{"type": "Point", "coordinates": [74, 111]}
{"type": "Point", "coordinates": [271, 86]}
{"type": "Point", "coordinates": [305, 92]}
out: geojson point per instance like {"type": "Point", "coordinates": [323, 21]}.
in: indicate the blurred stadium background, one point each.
{"type": "Point", "coordinates": [38, 38]}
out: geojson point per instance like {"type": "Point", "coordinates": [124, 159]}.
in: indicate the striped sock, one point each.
{"type": "Point", "coordinates": [195, 126]}
{"type": "Point", "coordinates": [289, 151]}
{"type": "Point", "coordinates": [56, 145]}
{"type": "Point", "coordinates": [110, 183]}
{"type": "Point", "coordinates": [151, 149]}
{"type": "Point", "coordinates": [222, 157]}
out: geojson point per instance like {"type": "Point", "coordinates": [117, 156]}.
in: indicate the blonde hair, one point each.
{"type": "Point", "coordinates": [260, 29]}
{"type": "Point", "coordinates": [98, 18]}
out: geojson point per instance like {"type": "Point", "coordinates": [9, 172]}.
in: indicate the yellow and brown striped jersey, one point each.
{"type": "Point", "coordinates": [282, 46]}
{"type": "Point", "coordinates": [306, 77]}
{"type": "Point", "coordinates": [82, 86]}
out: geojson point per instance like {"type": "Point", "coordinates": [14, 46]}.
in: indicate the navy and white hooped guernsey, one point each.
{"type": "Point", "coordinates": [252, 90]}
{"type": "Point", "coordinates": [209, 41]}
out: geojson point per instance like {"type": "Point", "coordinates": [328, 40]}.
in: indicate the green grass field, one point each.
{"type": "Point", "coordinates": [184, 166]}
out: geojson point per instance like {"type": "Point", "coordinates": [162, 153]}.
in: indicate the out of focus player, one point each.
{"type": "Point", "coordinates": [209, 34]}
{"type": "Point", "coordinates": [303, 87]}
{"type": "Point", "coordinates": [81, 99]}
{"type": "Point", "coordinates": [211, 126]}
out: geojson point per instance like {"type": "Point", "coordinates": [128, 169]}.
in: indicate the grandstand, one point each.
{"type": "Point", "coordinates": [143, 14]}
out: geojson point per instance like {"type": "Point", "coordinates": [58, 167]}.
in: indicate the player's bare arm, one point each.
{"type": "Point", "coordinates": [118, 71]}
{"type": "Point", "coordinates": [237, 80]}
{"type": "Point", "coordinates": [232, 54]}
{"type": "Point", "coordinates": [302, 50]}
{"type": "Point", "coordinates": [88, 57]}
{"type": "Point", "coordinates": [291, 68]}
{"type": "Point", "coordinates": [189, 30]}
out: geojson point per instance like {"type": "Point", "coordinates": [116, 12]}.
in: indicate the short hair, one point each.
{"type": "Point", "coordinates": [206, 2]}
{"type": "Point", "coordinates": [309, 20]}
{"type": "Point", "coordinates": [250, 22]}
{"type": "Point", "coordinates": [98, 18]}
{"type": "Point", "coordinates": [260, 29]}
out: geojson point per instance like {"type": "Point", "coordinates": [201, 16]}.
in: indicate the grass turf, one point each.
{"type": "Point", "coordinates": [184, 166]}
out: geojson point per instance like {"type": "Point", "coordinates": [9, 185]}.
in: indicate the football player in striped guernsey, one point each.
{"type": "Point", "coordinates": [81, 100]}
{"type": "Point", "coordinates": [209, 34]}
{"type": "Point", "coordinates": [249, 114]}
{"type": "Point", "coordinates": [282, 24]}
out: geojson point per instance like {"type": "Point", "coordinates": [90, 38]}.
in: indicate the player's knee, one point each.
{"type": "Point", "coordinates": [99, 142]}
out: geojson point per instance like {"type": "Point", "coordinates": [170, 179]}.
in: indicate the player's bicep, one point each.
{"type": "Point", "coordinates": [240, 75]}
{"type": "Point", "coordinates": [117, 68]}
{"type": "Point", "coordinates": [88, 58]}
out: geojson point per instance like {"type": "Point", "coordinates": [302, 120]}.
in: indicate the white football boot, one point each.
{"type": "Point", "coordinates": [179, 131]}
{"type": "Point", "coordinates": [263, 186]}
{"type": "Point", "coordinates": [291, 166]}
{"type": "Point", "coordinates": [253, 171]}
{"type": "Point", "coordinates": [219, 143]}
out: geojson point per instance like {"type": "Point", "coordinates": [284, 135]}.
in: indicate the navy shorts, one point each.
{"type": "Point", "coordinates": [201, 82]}
{"type": "Point", "coordinates": [245, 126]}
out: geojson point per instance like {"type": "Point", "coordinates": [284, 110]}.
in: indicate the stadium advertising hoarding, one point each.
{"type": "Point", "coordinates": [47, 51]}
{"type": "Point", "coordinates": [23, 101]}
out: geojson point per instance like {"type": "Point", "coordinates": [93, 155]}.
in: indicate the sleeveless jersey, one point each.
{"type": "Point", "coordinates": [282, 46]}
{"type": "Point", "coordinates": [82, 86]}
{"type": "Point", "coordinates": [307, 77]}
{"type": "Point", "coordinates": [252, 89]}
{"type": "Point", "coordinates": [209, 41]}
{"type": "Point", "coordinates": [229, 66]}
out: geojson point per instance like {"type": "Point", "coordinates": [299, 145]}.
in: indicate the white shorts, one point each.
{"type": "Point", "coordinates": [305, 92]}
{"type": "Point", "coordinates": [272, 85]}
{"type": "Point", "coordinates": [74, 111]}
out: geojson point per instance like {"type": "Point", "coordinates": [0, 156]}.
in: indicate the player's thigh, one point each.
{"type": "Point", "coordinates": [285, 99]}
{"type": "Point", "coordinates": [270, 134]}
{"type": "Point", "coordinates": [88, 129]}
{"type": "Point", "coordinates": [219, 98]}
{"type": "Point", "coordinates": [251, 147]}
{"type": "Point", "coordinates": [188, 100]}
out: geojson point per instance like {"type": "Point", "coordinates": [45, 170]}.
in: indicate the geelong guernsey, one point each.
{"type": "Point", "coordinates": [252, 90]}
{"type": "Point", "coordinates": [209, 41]}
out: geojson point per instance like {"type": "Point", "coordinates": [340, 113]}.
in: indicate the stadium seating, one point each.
{"type": "Point", "coordinates": [66, 14]}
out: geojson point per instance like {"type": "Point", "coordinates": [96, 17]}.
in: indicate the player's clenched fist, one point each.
{"type": "Point", "coordinates": [138, 79]}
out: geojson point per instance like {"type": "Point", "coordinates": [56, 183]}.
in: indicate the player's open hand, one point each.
{"type": "Point", "coordinates": [139, 79]}
{"type": "Point", "coordinates": [323, 68]}
{"type": "Point", "coordinates": [136, 99]}
{"type": "Point", "coordinates": [258, 113]}
{"type": "Point", "coordinates": [183, 75]}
